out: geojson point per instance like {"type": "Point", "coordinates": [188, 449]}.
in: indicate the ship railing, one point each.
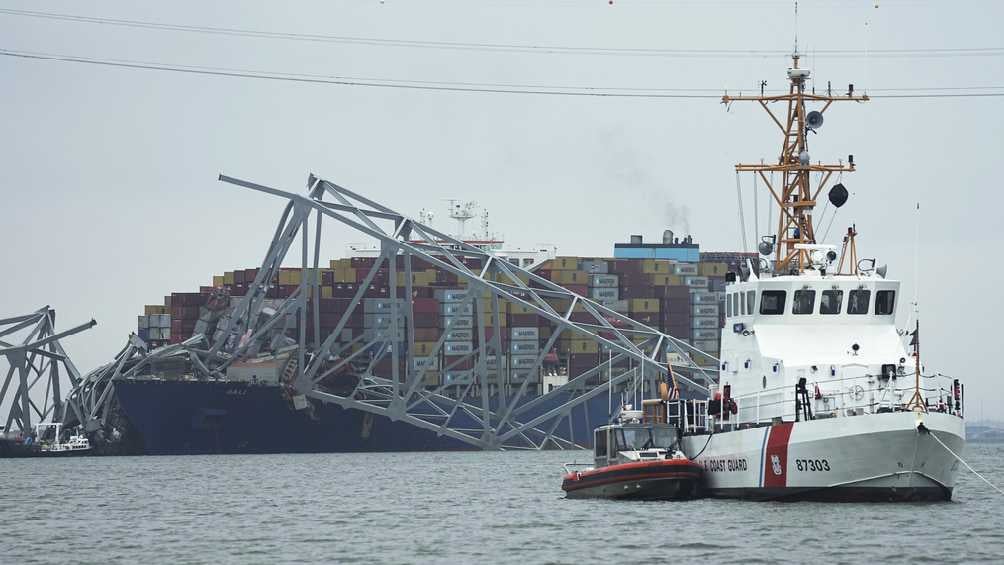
{"type": "Point", "coordinates": [690, 416]}
{"type": "Point", "coordinates": [855, 396]}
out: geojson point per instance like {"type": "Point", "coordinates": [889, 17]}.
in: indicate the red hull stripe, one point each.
{"type": "Point", "coordinates": [775, 460]}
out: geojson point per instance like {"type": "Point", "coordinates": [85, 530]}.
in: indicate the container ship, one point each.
{"type": "Point", "coordinates": [669, 285]}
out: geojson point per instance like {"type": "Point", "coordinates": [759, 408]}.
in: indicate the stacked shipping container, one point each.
{"type": "Point", "coordinates": [677, 298]}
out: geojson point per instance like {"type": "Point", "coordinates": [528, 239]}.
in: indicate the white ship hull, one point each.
{"type": "Point", "coordinates": [868, 457]}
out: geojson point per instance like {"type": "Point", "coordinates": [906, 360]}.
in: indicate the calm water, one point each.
{"type": "Point", "coordinates": [447, 507]}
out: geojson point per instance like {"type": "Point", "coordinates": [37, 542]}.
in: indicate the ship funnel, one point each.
{"type": "Point", "coordinates": [635, 240]}
{"type": "Point", "coordinates": [667, 237]}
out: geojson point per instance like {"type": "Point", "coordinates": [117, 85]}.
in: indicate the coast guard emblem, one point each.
{"type": "Point", "coordinates": [775, 463]}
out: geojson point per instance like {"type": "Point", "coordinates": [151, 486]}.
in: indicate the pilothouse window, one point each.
{"type": "Point", "coordinates": [750, 300]}
{"type": "Point", "coordinates": [857, 301]}
{"type": "Point", "coordinates": [885, 302]}
{"type": "Point", "coordinates": [772, 302]}
{"type": "Point", "coordinates": [830, 301]}
{"type": "Point", "coordinates": [735, 303]}
{"type": "Point", "coordinates": [804, 302]}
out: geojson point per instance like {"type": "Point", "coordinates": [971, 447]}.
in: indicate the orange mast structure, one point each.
{"type": "Point", "coordinates": [796, 197]}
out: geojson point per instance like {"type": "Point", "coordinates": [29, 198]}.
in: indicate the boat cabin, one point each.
{"type": "Point", "coordinates": [813, 345]}
{"type": "Point", "coordinates": [621, 443]}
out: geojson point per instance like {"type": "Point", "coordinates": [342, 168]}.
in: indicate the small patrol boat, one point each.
{"type": "Point", "coordinates": [635, 458]}
{"type": "Point", "coordinates": [77, 444]}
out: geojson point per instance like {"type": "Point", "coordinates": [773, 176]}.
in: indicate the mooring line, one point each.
{"type": "Point", "coordinates": [984, 479]}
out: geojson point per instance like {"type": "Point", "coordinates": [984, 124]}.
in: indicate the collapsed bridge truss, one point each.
{"type": "Point", "coordinates": [36, 367]}
{"type": "Point", "coordinates": [480, 407]}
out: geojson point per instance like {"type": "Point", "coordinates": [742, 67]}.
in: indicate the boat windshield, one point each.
{"type": "Point", "coordinates": [634, 439]}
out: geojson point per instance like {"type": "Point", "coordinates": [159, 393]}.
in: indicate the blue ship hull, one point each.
{"type": "Point", "coordinates": [184, 417]}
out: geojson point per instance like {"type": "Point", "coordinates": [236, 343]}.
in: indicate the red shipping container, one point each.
{"type": "Point", "coordinates": [357, 262]}
{"type": "Point", "coordinates": [375, 291]}
{"type": "Point", "coordinates": [344, 290]}
{"type": "Point", "coordinates": [335, 304]}
{"type": "Point", "coordinates": [427, 334]}
{"type": "Point", "coordinates": [423, 320]}
{"type": "Point", "coordinates": [521, 320]}
{"type": "Point", "coordinates": [425, 305]}
{"type": "Point", "coordinates": [187, 299]}
{"type": "Point", "coordinates": [580, 289]}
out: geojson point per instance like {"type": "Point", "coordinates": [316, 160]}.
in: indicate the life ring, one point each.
{"type": "Point", "coordinates": [858, 392]}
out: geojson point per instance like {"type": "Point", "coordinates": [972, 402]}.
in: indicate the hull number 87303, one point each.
{"type": "Point", "coordinates": [812, 464]}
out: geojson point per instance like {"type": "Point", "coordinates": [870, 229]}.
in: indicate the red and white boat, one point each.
{"type": "Point", "coordinates": [634, 460]}
{"type": "Point", "coordinates": [819, 395]}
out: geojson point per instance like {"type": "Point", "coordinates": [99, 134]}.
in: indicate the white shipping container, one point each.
{"type": "Point", "coordinates": [703, 297]}
{"type": "Point", "coordinates": [455, 377]}
{"type": "Point", "coordinates": [696, 282]}
{"type": "Point", "coordinates": [522, 361]}
{"type": "Point", "coordinates": [525, 333]}
{"type": "Point", "coordinates": [704, 310]}
{"type": "Point", "coordinates": [425, 363]}
{"type": "Point", "coordinates": [525, 347]}
{"type": "Point", "coordinates": [701, 333]}
{"type": "Point", "coordinates": [458, 322]}
{"type": "Point", "coordinates": [598, 281]}
{"type": "Point", "coordinates": [381, 321]}
{"type": "Point", "coordinates": [382, 305]}
{"type": "Point", "coordinates": [460, 335]}
{"type": "Point", "coordinates": [684, 268]}
{"type": "Point", "coordinates": [704, 322]}
{"type": "Point", "coordinates": [458, 347]}
{"type": "Point", "coordinates": [606, 294]}
{"type": "Point", "coordinates": [452, 295]}
{"type": "Point", "coordinates": [457, 309]}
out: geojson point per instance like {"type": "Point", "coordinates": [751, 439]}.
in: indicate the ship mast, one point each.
{"type": "Point", "coordinates": [796, 196]}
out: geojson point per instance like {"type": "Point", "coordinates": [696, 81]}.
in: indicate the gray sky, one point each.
{"type": "Point", "coordinates": [109, 175]}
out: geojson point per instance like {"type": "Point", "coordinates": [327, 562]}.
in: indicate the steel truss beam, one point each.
{"type": "Point", "coordinates": [479, 402]}
{"type": "Point", "coordinates": [38, 361]}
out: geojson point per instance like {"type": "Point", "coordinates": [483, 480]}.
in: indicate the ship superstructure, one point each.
{"type": "Point", "coordinates": [819, 397]}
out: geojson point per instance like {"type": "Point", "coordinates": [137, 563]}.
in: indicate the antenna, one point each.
{"type": "Point", "coordinates": [916, 402]}
{"type": "Point", "coordinates": [796, 28]}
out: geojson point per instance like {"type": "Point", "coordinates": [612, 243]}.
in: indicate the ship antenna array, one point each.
{"type": "Point", "coordinates": [796, 195]}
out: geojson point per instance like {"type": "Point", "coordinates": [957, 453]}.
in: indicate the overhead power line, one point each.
{"type": "Point", "coordinates": [508, 47]}
{"type": "Point", "coordinates": [496, 88]}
